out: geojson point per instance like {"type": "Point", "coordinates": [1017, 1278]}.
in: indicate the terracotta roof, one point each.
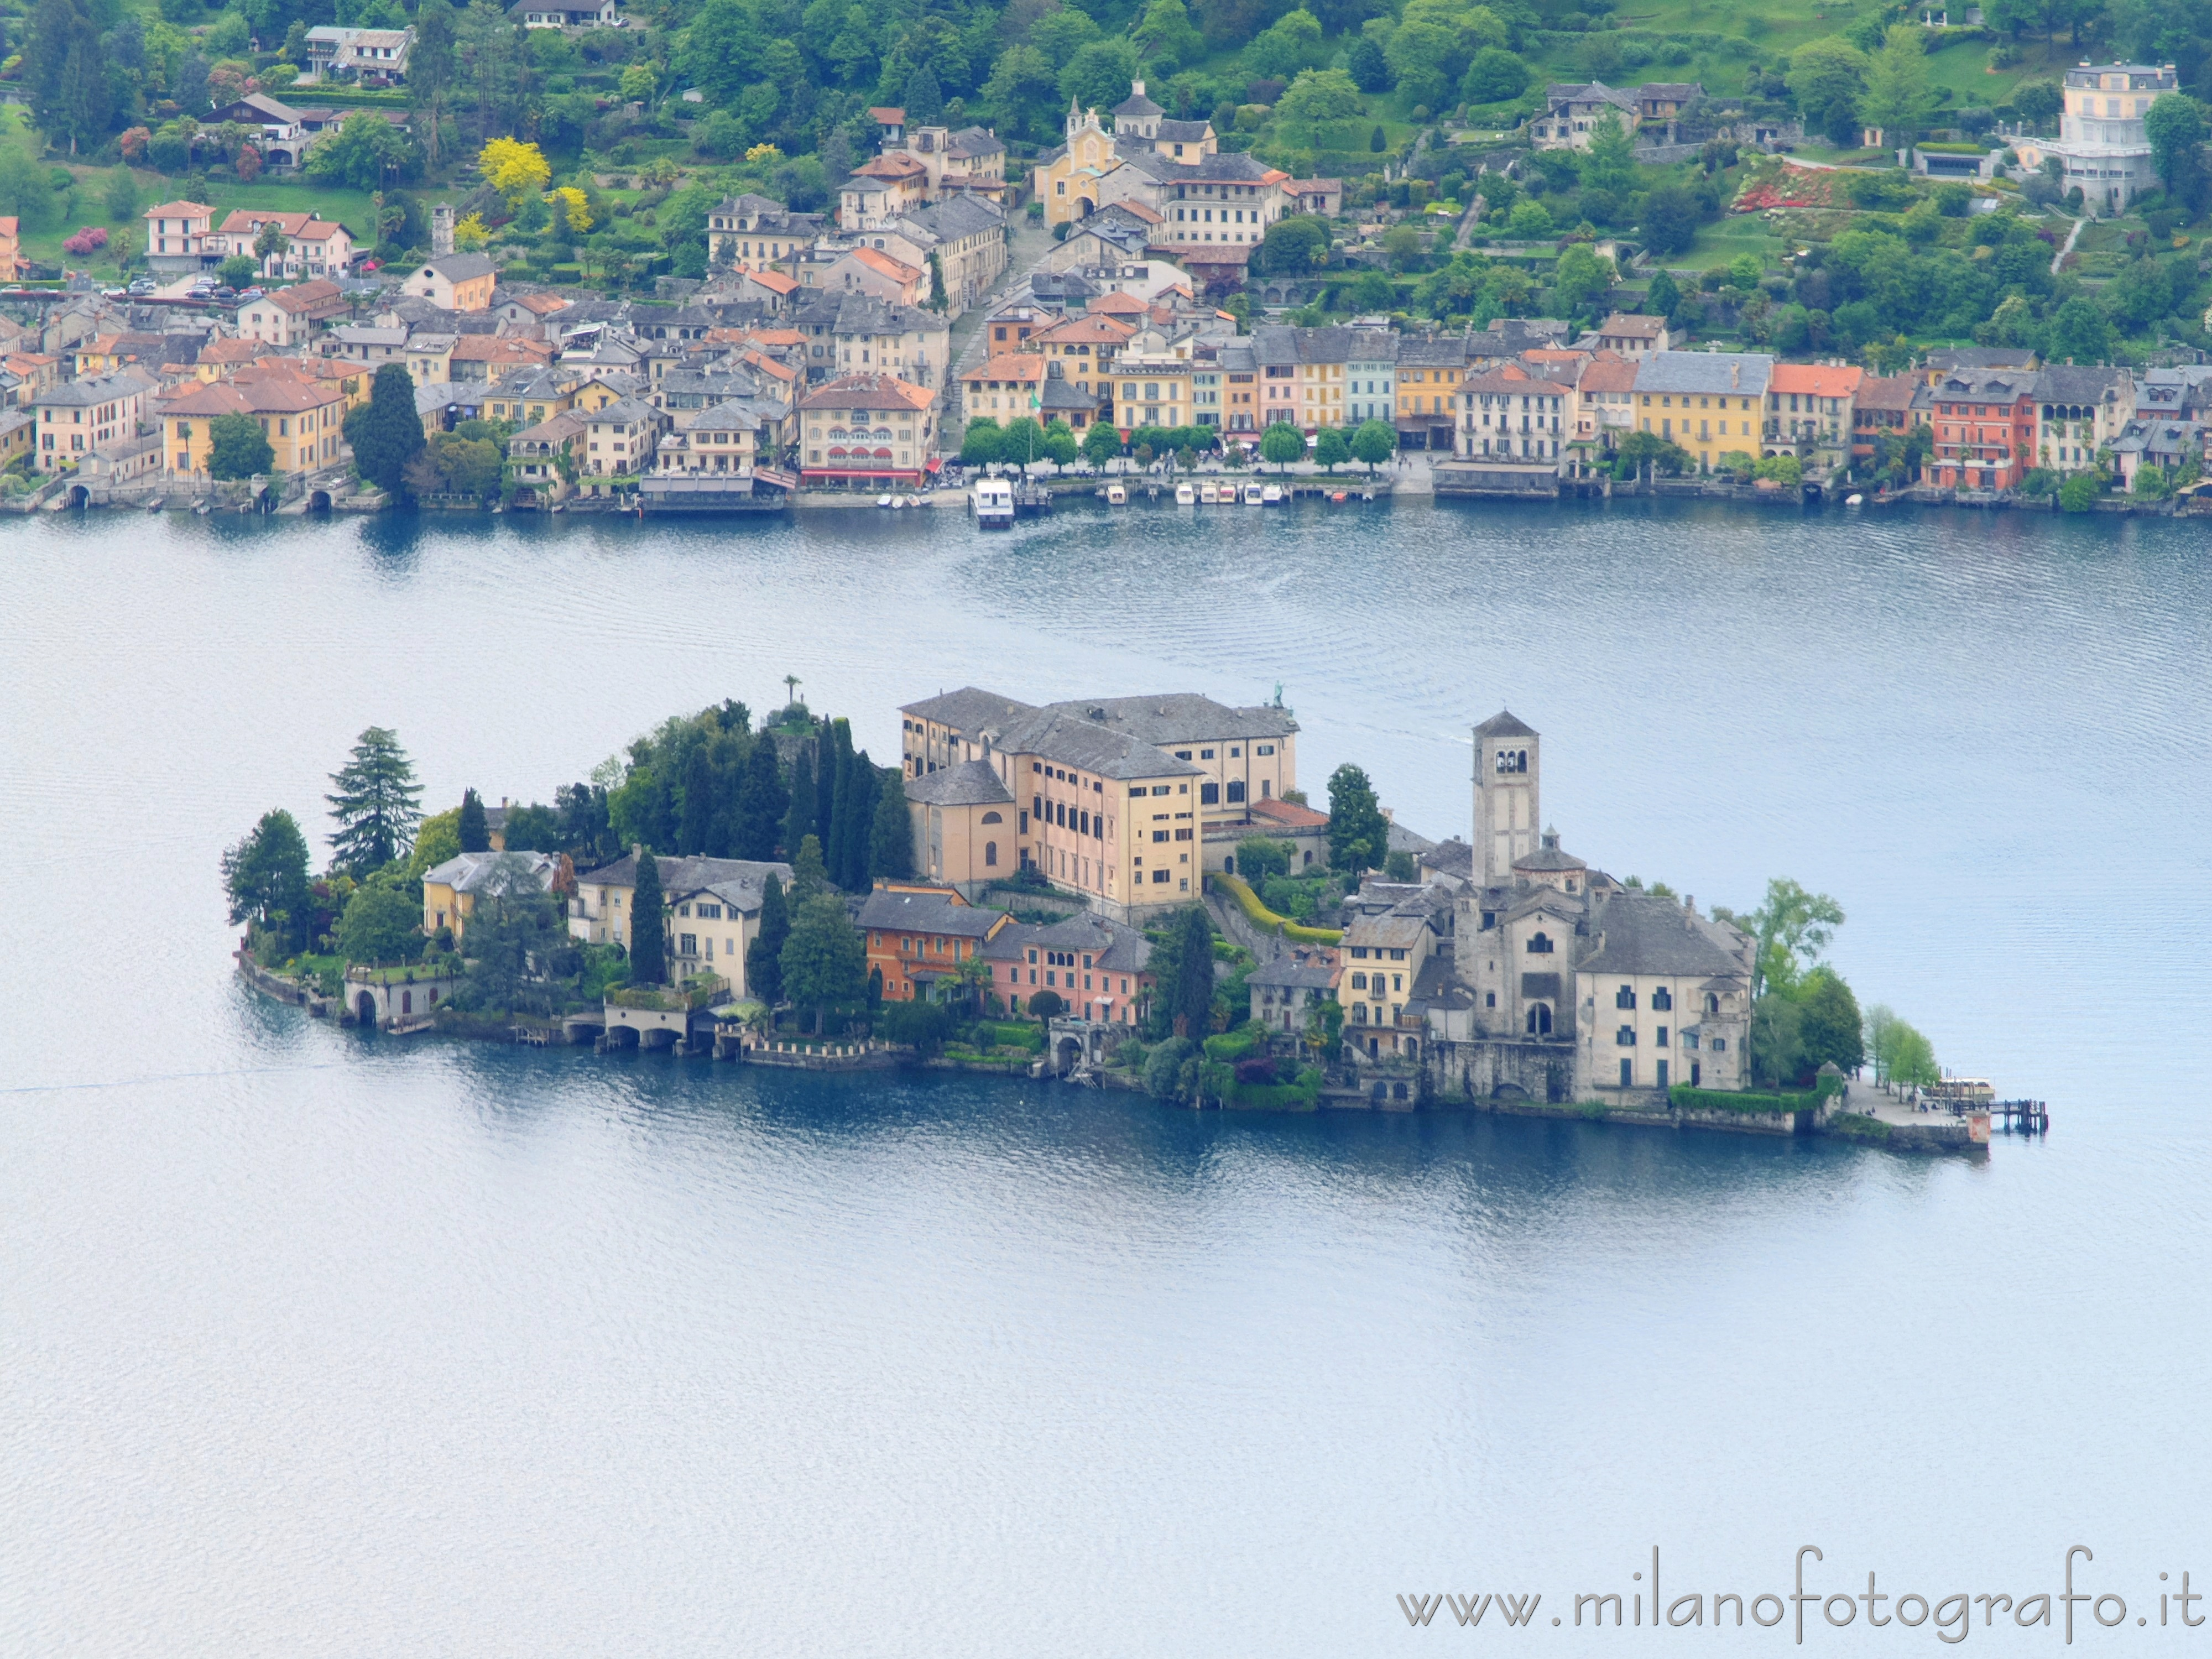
{"type": "Point", "coordinates": [1633, 324]}
{"type": "Point", "coordinates": [1288, 813]}
{"type": "Point", "coordinates": [1117, 304]}
{"type": "Point", "coordinates": [231, 351]}
{"type": "Point", "coordinates": [542, 305]}
{"type": "Point", "coordinates": [774, 281]}
{"type": "Point", "coordinates": [867, 391]}
{"type": "Point", "coordinates": [1021, 367]}
{"type": "Point", "coordinates": [876, 260]}
{"type": "Point", "coordinates": [1819, 379]}
{"type": "Point", "coordinates": [177, 209]}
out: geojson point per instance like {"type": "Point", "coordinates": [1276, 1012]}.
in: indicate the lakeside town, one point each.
{"type": "Point", "coordinates": [1149, 293]}
{"type": "Point", "coordinates": [1130, 891]}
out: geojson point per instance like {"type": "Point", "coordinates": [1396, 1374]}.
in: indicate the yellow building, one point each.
{"type": "Point", "coordinates": [1067, 181]}
{"type": "Point", "coordinates": [303, 422]}
{"type": "Point", "coordinates": [450, 890]}
{"type": "Point", "coordinates": [1150, 391]}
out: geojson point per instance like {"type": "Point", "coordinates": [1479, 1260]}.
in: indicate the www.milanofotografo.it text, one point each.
{"type": "Point", "coordinates": [1805, 1609]}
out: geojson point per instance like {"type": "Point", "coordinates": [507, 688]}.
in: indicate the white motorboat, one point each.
{"type": "Point", "coordinates": [1185, 495]}
{"type": "Point", "coordinates": [1253, 494]}
{"type": "Point", "coordinates": [1273, 496]}
{"type": "Point", "coordinates": [883, 501]}
{"type": "Point", "coordinates": [1854, 500]}
{"type": "Point", "coordinates": [1208, 495]}
{"type": "Point", "coordinates": [1117, 495]}
{"type": "Point", "coordinates": [992, 501]}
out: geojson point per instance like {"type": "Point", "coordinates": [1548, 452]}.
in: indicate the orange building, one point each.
{"type": "Point", "coordinates": [919, 937]}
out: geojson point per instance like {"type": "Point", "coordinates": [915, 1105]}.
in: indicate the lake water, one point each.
{"type": "Point", "coordinates": [316, 1344]}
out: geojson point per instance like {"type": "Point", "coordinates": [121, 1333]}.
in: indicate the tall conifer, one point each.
{"type": "Point", "coordinates": [648, 938]}
{"type": "Point", "coordinates": [761, 802]}
{"type": "Point", "coordinates": [798, 822]}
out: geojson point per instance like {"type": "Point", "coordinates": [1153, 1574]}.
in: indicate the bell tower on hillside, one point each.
{"type": "Point", "coordinates": [1508, 771]}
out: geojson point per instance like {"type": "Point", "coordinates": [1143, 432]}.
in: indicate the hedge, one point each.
{"type": "Point", "coordinates": [1685, 1098]}
{"type": "Point", "coordinates": [1855, 1126]}
{"type": "Point", "coordinates": [1260, 916]}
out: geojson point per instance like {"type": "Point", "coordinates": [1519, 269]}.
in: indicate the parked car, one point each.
{"type": "Point", "coordinates": [142, 286]}
{"type": "Point", "coordinates": [225, 294]}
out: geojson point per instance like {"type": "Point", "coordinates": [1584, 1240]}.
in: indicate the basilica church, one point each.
{"type": "Point", "coordinates": [1557, 983]}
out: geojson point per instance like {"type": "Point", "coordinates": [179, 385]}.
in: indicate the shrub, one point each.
{"type": "Point", "coordinates": [1171, 1070]}
{"type": "Point", "coordinates": [1047, 1005]}
{"type": "Point", "coordinates": [1259, 1071]}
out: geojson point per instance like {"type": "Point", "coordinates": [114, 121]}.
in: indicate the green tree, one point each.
{"type": "Point", "coordinates": [1830, 1029]}
{"type": "Point", "coordinates": [2079, 333]}
{"type": "Point", "coordinates": [367, 152]}
{"type": "Point", "coordinates": [1610, 164]}
{"type": "Point", "coordinates": [239, 447]}
{"type": "Point", "coordinates": [1898, 93]}
{"type": "Point", "coordinates": [1165, 34]}
{"type": "Point", "coordinates": [437, 838]}
{"type": "Point", "coordinates": [1317, 98]}
{"type": "Point", "coordinates": [237, 270]}
{"type": "Point", "coordinates": [798, 818]}
{"type": "Point", "coordinates": [1827, 77]}
{"type": "Point", "coordinates": [1292, 43]}
{"type": "Point", "coordinates": [1670, 219]}
{"type": "Point", "coordinates": [474, 829]}
{"type": "Point", "coordinates": [2079, 493]}
{"type": "Point", "coordinates": [648, 924]}
{"type": "Point", "coordinates": [381, 923]}
{"type": "Point", "coordinates": [120, 196]}
{"type": "Point", "coordinates": [890, 853]}
{"type": "Point", "coordinates": [824, 960]}
{"type": "Point", "coordinates": [983, 443]}
{"type": "Point", "coordinates": [761, 803]}
{"type": "Point", "coordinates": [264, 877]}
{"type": "Point", "coordinates": [1294, 245]}
{"type": "Point", "coordinates": [1791, 923]}
{"type": "Point", "coordinates": [271, 241]}
{"type": "Point", "coordinates": [1493, 75]}
{"type": "Point", "coordinates": [385, 433]}
{"type": "Point", "coordinates": [763, 957]}
{"type": "Point", "coordinates": [1663, 298]}
{"type": "Point", "coordinates": [1190, 995]}
{"type": "Point", "coordinates": [1282, 443]}
{"type": "Point", "coordinates": [430, 73]}
{"type": "Point", "coordinates": [810, 877]}
{"type": "Point", "coordinates": [1259, 857]}
{"type": "Point", "coordinates": [1374, 442]}
{"type": "Point", "coordinates": [1101, 443]}
{"type": "Point", "coordinates": [1330, 448]}
{"type": "Point", "coordinates": [1098, 76]}
{"type": "Point", "coordinates": [1581, 279]}
{"type": "Point", "coordinates": [518, 942]}
{"type": "Point", "coordinates": [1358, 834]}
{"type": "Point", "coordinates": [377, 805]}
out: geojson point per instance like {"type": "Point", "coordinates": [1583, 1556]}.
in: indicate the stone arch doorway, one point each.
{"type": "Point", "coordinates": [1067, 1054]}
{"type": "Point", "coordinates": [365, 1009]}
{"type": "Point", "coordinates": [320, 502]}
{"type": "Point", "coordinates": [79, 497]}
{"type": "Point", "coordinates": [1540, 1019]}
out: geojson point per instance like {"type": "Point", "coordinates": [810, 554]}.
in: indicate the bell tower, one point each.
{"type": "Point", "coordinates": [1508, 804]}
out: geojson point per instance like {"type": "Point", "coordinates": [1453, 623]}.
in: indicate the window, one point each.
{"type": "Point", "coordinates": [993, 817]}
{"type": "Point", "coordinates": [1209, 793]}
{"type": "Point", "coordinates": [1235, 789]}
{"type": "Point", "coordinates": [1359, 951]}
{"type": "Point", "coordinates": [1713, 1003]}
{"type": "Point", "coordinates": [687, 945]}
{"type": "Point", "coordinates": [1359, 981]}
{"type": "Point", "coordinates": [1659, 1041]}
{"type": "Point", "coordinates": [1663, 998]}
{"type": "Point", "coordinates": [1159, 875]}
{"type": "Point", "coordinates": [1625, 1038]}
{"type": "Point", "coordinates": [1538, 946]}
{"type": "Point", "coordinates": [1490, 998]}
{"type": "Point", "coordinates": [1205, 753]}
{"type": "Point", "coordinates": [1719, 1044]}
{"type": "Point", "coordinates": [1624, 998]}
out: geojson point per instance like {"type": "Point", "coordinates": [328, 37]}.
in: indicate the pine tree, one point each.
{"type": "Point", "coordinates": [1358, 834]}
{"type": "Point", "coordinates": [891, 854]}
{"type": "Point", "coordinates": [475, 833]}
{"type": "Point", "coordinates": [799, 820]}
{"type": "Point", "coordinates": [377, 806]}
{"type": "Point", "coordinates": [648, 932]}
{"type": "Point", "coordinates": [763, 957]}
{"type": "Point", "coordinates": [266, 879]}
{"type": "Point", "coordinates": [761, 802]}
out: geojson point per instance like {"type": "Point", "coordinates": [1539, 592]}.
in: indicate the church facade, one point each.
{"type": "Point", "coordinates": [1561, 984]}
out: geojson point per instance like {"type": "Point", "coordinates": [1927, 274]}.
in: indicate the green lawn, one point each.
{"type": "Point", "coordinates": [1717, 243]}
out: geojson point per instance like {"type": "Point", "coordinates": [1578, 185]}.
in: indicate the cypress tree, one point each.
{"type": "Point", "coordinates": [763, 957]}
{"type": "Point", "coordinates": [831, 755]}
{"type": "Point", "coordinates": [649, 937]}
{"type": "Point", "coordinates": [834, 784]}
{"type": "Point", "coordinates": [475, 832]}
{"type": "Point", "coordinates": [1193, 992]}
{"type": "Point", "coordinates": [808, 876]}
{"type": "Point", "coordinates": [761, 802]}
{"type": "Point", "coordinates": [890, 851]}
{"type": "Point", "coordinates": [798, 822]}
{"type": "Point", "coordinates": [697, 822]}
{"type": "Point", "coordinates": [855, 823]}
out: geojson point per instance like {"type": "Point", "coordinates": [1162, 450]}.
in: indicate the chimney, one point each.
{"type": "Point", "coordinates": [1690, 902]}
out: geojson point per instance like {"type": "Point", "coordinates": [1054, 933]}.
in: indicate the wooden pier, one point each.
{"type": "Point", "coordinates": [2027, 1117]}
